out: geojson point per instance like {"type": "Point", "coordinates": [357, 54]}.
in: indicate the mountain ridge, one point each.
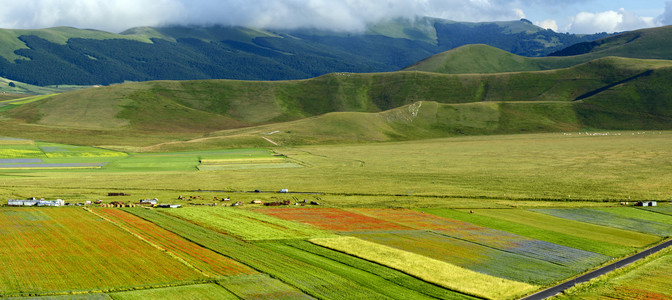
{"type": "Point", "coordinates": [66, 55]}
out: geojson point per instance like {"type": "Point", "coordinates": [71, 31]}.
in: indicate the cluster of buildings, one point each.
{"type": "Point", "coordinates": [35, 202]}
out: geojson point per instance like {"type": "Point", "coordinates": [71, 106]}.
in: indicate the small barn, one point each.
{"type": "Point", "coordinates": [169, 205]}
{"type": "Point", "coordinates": [149, 201]}
{"type": "Point", "coordinates": [646, 203]}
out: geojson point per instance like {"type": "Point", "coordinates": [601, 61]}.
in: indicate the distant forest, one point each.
{"type": "Point", "coordinates": [289, 55]}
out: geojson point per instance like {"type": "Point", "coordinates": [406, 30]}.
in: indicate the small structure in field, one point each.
{"type": "Point", "coordinates": [257, 201]}
{"type": "Point", "coordinates": [117, 194]}
{"type": "Point", "coordinates": [284, 191]}
{"type": "Point", "coordinates": [149, 201]}
{"type": "Point", "coordinates": [646, 203]}
{"type": "Point", "coordinates": [34, 202]}
{"type": "Point", "coordinates": [277, 203]}
{"type": "Point", "coordinates": [169, 205]}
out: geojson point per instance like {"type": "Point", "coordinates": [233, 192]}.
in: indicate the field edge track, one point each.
{"type": "Point", "coordinates": [552, 291]}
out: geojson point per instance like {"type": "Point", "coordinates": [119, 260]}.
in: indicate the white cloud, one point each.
{"type": "Point", "coordinates": [117, 15]}
{"type": "Point", "coordinates": [610, 21]}
{"type": "Point", "coordinates": [110, 15]}
{"type": "Point", "coordinates": [548, 24]}
{"type": "Point", "coordinates": [666, 17]}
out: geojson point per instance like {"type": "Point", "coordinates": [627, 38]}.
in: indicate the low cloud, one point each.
{"type": "Point", "coordinates": [610, 21]}
{"type": "Point", "coordinates": [350, 15]}
{"type": "Point", "coordinates": [666, 17]}
{"type": "Point", "coordinates": [548, 24]}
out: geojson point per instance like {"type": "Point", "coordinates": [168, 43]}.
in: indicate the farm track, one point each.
{"type": "Point", "coordinates": [552, 291]}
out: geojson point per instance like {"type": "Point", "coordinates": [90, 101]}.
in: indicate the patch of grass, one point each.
{"type": "Point", "coordinates": [362, 277]}
{"type": "Point", "coordinates": [389, 274]}
{"type": "Point", "coordinates": [589, 231]}
{"type": "Point", "coordinates": [606, 218]}
{"type": "Point", "coordinates": [198, 291]}
{"type": "Point", "coordinates": [642, 213]}
{"type": "Point", "coordinates": [261, 287]}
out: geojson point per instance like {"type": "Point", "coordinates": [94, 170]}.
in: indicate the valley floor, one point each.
{"type": "Point", "coordinates": [468, 209]}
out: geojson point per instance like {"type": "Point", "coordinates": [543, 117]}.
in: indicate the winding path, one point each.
{"type": "Point", "coordinates": [552, 291]}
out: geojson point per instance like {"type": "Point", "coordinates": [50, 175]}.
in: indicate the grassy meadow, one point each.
{"type": "Point", "coordinates": [486, 171]}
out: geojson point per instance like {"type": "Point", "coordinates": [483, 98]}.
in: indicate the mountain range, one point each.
{"type": "Point", "coordinates": [69, 56]}
{"type": "Point", "coordinates": [470, 90]}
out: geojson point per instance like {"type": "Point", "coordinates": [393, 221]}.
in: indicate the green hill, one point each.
{"type": "Point", "coordinates": [58, 56]}
{"type": "Point", "coordinates": [476, 58]}
{"type": "Point", "coordinates": [346, 107]}
{"type": "Point", "coordinates": [651, 43]}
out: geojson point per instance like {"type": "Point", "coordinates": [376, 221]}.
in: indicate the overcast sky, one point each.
{"type": "Point", "coordinates": [575, 16]}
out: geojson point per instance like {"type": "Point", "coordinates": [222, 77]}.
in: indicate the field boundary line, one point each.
{"type": "Point", "coordinates": [270, 141]}
{"type": "Point", "coordinates": [171, 254]}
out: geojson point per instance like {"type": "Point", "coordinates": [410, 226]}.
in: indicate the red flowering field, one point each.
{"type": "Point", "coordinates": [207, 261]}
{"type": "Point", "coordinates": [70, 249]}
{"type": "Point", "coordinates": [333, 219]}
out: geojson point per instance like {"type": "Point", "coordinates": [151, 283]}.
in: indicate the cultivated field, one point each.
{"type": "Point", "coordinates": [51, 250]}
{"type": "Point", "coordinates": [493, 217]}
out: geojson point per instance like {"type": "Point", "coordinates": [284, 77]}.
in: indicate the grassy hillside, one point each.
{"type": "Point", "coordinates": [10, 42]}
{"type": "Point", "coordinates": [651, 43]}
{"type": "Point", "coordinates": [613, 93]}
{"type": "Point", "coordinates": [8, 86]}
{"type": "Point", "coordinates": [480, 58]}
{"type": "Point", "coordinates": [63, 55]}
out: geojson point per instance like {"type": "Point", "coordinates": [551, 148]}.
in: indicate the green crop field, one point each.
{"type": "Point", "coordinates": [575, 228]}
{"type": "Point", "coordinates": [606, 218]}
{"type": "Point", "coordinates": [261, 287]}
{"type": "Point", "coordinates": [200, 291]}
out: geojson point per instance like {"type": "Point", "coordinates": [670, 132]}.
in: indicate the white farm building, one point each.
{"type": "Point", "coordinates": [35, 202]}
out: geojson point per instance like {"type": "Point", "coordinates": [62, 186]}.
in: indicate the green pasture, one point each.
{"type": "Point", "coordinates": [261, 287]}
{"type": "Point", "coordinates": [643, 213]}
{"type": "Point", "coordinates": [545, 170]}
{"type": "Point", "coordinates": [199, 291]}
{"type": "Point", "coordinates": [606, 218]}
{"type": "Point", "coordinates": [589, 231]}
{"type": "Point", "coordinates": [372, 281]}
{"type": "Point", "coordinates": [341, 262]}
